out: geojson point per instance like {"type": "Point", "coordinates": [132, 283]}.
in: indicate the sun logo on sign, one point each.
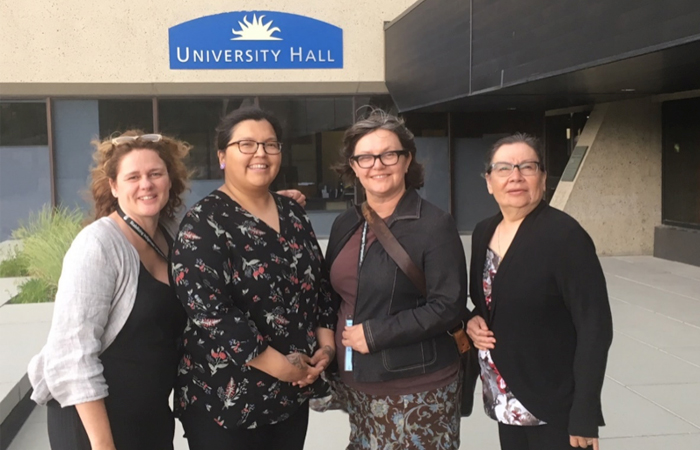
{"type": "Point", "coordinates": [255, 31]}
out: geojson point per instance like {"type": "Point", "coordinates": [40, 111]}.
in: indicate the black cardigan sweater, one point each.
{"type": "Point", "coordinates": [550, 316]}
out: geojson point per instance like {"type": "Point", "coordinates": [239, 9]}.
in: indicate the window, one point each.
{"type": "Point", "coordinates": [313, 136]}
{"type": "Point", "coordinates": [118, 116]}
{"type": "Point", "coordinates": [194, 121]}
{"type": "Point", "coordinates": [681, 163]}
{"type": "Point", "coordinates": [23, 124]}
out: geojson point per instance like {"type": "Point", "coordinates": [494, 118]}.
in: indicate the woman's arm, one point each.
{"type": "Point", "coordinates": [446, 283]}
{"type": "Point", "coordinates": [86, 288]}
{"type": "Point", "coordinates": [582, 283]}
{"type": "Point", "coordinates": [72, 368]}
{"type": "Point", "coordinates": [93, 415]}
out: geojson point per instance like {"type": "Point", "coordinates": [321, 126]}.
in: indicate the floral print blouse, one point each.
{"type": "Point", "coordinates": [499, 402]}
{"type": "Point", "coordinates": [246, 287]}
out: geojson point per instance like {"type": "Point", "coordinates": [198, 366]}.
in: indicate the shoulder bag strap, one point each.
{"type": "Point", "coordinates": [394, 249]}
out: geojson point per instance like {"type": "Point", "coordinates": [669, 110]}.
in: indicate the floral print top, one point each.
{"type": "Point", "coordinates": [246, 287]}
{"type": "Point", "coordinates": [499, 402]}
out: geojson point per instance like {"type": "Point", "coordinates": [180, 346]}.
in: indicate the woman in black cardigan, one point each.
{"type": "Point", "coordinates": [542, 321]}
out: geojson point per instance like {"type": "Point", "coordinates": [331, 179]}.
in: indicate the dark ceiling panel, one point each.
{"type": "Point", "coordinates": [427, 53]}
{"type": "Point", "coordinates": [672, 70]}
{"type": "Point", "coordinates": [540, 54]}
{"type": "Point", "coordinates": [516, 41]}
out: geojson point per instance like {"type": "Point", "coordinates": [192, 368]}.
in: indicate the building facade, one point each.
{"type": "Point", "coordinates": [73, 73]}
{"type": "Point", "coordinates": [610, 87]}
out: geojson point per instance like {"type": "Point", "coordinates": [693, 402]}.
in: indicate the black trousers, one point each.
{"type": "Point", "coordinates": [541, 437]}
{"type": "Point", "coordinates": [203, 433]}
{"type": "Point", "coordinates": [66, 431]}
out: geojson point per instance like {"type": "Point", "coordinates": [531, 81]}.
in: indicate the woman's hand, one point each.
{"type": "Point", "coordinates": [298, 369]}
{"type": "Point", "coordinates": [584, 442]}
{"type": "Point", "coordinates": [319, 362]}
{"type": "Point", "coordinates": [480, 334]}
{"type": "Point", "coordinates": [290, 368]}
{"type": "Point", "coordinates": [354, 337]}
{"type": "Point", "coordinates": [295, 195]}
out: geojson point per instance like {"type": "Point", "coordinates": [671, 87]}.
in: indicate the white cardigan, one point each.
{"type": "Point", "coordinates": [96, 293]}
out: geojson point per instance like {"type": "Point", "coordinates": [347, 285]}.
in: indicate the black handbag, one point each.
{"type": "Point", "coordinates": [468, 354]}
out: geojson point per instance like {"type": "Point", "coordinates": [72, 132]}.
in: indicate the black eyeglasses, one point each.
{"type": "Point", "coordinates": [121, 140]}
{"type": "Point", "coordinates": [249, 147]}
{"type": "Point", "coordinates": [389, 158]}
{"type": "Point", "coordinates": [504, 169]}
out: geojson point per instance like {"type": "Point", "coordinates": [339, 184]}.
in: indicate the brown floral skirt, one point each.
{"type": "Point", "coordinates": [424, 421]}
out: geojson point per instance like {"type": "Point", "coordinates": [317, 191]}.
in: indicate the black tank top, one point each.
{"type": "Point", "coordinates": [140, 366]}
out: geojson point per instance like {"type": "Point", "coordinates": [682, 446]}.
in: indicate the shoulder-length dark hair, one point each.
{"type": "Point", "coordinates": [380, 120]}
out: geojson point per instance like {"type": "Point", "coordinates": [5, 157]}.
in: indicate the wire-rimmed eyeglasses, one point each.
{"type": "Point", "coordinates": [249, 147]}
{"type": "Point", "coordinates": [388, 158]}
{"type": "Point", "coordinates": [121, 140]}
{"type": "Point", "coordinates": [504, 169]}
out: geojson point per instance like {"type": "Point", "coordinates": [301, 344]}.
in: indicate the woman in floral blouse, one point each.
{"type": "Point", "coordinates": [249, 271]}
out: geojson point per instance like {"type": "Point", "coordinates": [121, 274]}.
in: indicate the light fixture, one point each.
{"type": "Point", "coordinates": [628, 90]}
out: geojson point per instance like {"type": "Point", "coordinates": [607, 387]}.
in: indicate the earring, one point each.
{"type": "Point", "coordinates": [222, 166]}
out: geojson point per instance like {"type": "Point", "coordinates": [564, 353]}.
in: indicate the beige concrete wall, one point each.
{"type": "Point", "coordinates": [120, 47]}
{"type": "Point", "coordinates": [616, 195]}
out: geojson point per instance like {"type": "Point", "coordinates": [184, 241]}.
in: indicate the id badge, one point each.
{"type": "Point", "coordinates": [348, 350]}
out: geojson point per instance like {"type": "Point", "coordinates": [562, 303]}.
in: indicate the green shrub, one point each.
{"type": "Point", "coordinates": [34, 291]}
{"type": "Point", "coordinates": [15, 266]}
{"type": "Point", "coordinates": [46, 237]}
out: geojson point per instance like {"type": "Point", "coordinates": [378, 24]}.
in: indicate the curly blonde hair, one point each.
{"type": "Point", "coordinates": [107, 158]}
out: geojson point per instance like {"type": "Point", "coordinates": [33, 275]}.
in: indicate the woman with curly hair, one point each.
{"type": "Point", "coordinates": [110, 361]}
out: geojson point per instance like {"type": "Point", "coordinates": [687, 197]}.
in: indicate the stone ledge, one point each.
{"type": "Point", "coordinates": [23, 332]}
{"type": "Point", "coordinates": [9, 287]}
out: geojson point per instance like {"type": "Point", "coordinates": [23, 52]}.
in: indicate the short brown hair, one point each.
{"type": "Point", "coordinates": [380, 120]}
{"type": "Point", "coordinates": [108, 156]}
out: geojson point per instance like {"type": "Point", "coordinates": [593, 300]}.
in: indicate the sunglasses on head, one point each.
{"type": "Point", "coordinates": [121, 140]}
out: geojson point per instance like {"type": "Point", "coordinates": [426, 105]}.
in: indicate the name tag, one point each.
{"type": "Point", "coordinates": [348, 350]}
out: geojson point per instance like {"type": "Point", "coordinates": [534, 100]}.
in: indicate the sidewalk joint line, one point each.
{"type": "Point", "coordinates": [655, 403]}
{"type": "Point", "coordinates": [661, 350]}
{"type": "Point", "coordinates": [657, 288]}
{"type": "Point", "coordinates": [655, 312]}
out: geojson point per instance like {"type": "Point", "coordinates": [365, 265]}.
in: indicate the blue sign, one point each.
{"type": "Point", "coordinates": [255, 40]}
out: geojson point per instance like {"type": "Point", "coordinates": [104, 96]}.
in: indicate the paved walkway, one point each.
{"type": "Point", "coordinates": [651, 397]}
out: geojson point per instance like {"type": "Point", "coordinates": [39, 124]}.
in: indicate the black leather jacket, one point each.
{"type": "Point", "coordinates": [406, 333]}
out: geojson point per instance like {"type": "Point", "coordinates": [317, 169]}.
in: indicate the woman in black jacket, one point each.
{"type": "Point", "coordinates": [542, 321]}
{"type": "Point", "coordinates": [400, 377]}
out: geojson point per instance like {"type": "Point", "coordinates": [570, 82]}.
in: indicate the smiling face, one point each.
{"type": "Point", "coordinates": [255, 171]}
{"type": "Point", "coordinates": [381, 181]}
{"type": "Point", "coordinates": [142, 185]}
{"type": "Point", "coordinates": [516, 191]}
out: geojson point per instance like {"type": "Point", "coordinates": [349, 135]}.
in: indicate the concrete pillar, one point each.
{"type": "Point", "coordinates": [616, 195]}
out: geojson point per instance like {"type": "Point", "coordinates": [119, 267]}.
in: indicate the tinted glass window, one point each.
{"type": "Point", "coordinates": [23, 124]}
{"type": "Point", "coordinates": [118, 116]}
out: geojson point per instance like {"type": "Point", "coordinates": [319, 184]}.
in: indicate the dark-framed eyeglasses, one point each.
{"type": "Point", "coordinates": [249, 147]}
{"type": "Point", "coordinates": [121, 140]}
{"type": "Point", "coordinates": [504, 169]}
{"type": "Point", "coordinates": [388, 158]}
